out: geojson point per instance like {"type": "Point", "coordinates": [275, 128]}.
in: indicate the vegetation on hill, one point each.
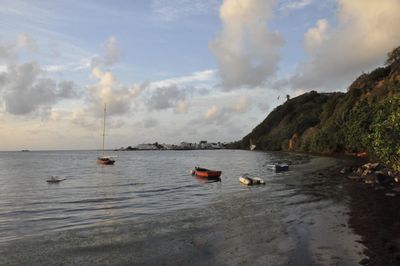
{"type": "Point", "coordinates": [365, 119]}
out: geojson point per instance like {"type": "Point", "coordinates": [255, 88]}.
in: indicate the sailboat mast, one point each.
{"type": "Point", "coordinates": [104, 125]}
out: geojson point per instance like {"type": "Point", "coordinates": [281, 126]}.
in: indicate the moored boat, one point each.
{"type": "Point", "coordinates": [105, 160]}
{"type": "Point", "coordinates": [249, 181]}
{"type": "Point", "coordinates": [55, 179]}
{"type": "Point", "coordinates": [279, 167]}
{"type": "Point", "coordinates": [206, 173]}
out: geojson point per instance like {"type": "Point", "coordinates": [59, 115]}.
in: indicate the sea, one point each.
{"type": "Point", "coordinates": [148, 209]}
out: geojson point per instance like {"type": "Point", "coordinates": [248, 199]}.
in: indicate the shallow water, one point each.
{"type": "Point", "coordinates": [148, 209]}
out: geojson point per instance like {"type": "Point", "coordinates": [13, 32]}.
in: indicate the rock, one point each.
{"type": "Point", "coordinates": [359, 171]}
{"type": "Point", "coordinates": [371, 178]}
{"type": "Point", "coordinates": [364, 261]}
{"type": "Point", "coordinates": [354, 177]}
{"type": "Point", "coordinates": [382, 178]}
{"type": "Point", "coordinates": [389, 194]}
{"type": "Point", "coordinates": [366, 172]}
{"type": "Point", "coordinates": [366, 166]}
{"type": "Point", "coordinates": [374, 166]}
{"type": "Point", "coordinates": [345, 170]}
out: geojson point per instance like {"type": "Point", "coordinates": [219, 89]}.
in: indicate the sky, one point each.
{"type": "Point", "coordinates": [174, 70]}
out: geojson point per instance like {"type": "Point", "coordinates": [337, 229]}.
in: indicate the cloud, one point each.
{"type": "Point", "coordinates": [108, 90]}
{"type": "Point", "coordinates": [242, 104]}
{"type": "Point", "coordinates": [165, 97]}
{"type": "Point", "coordinates": [25, 90]}
{"type": "Point", "coordinates": [150, 123]}
{"type": "Point", "coordinates": [212, 113]}
{"type": "Point", "coordinates": [199, 76]}
{"type": "Point", "coordinates": [9, 51]}
{"type": "Point", "coordinates": [366, 31]}
{"type": "Point", "coordinates": [111, 53]}
{"type": "Point", "coordinates": [171, 10]}
{"type": "Point", "coordinates": [246, 51]}
{"type": "Point", "coordinates": [288, 6]}
{"type": "Point", "coordinates": [182, 106]}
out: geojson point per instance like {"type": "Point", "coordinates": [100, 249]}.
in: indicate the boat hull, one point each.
{"type": "Point", "coordinates": [206, 173]}
{"type": "Point", "coordinates": [105, 161]}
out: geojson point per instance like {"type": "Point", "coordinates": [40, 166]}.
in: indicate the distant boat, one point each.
{"type": "Point", "coordinates": [252, 146]}
{"type": "Point", "coordinates": [108, 160]}
{"type": "Point", "coordinates": [24, 150]}
{"type": "Point", "coordinates": [55, 179]}
{"type": "Point", "coordinates": [206, 173]}
{"type": "Point", "coordinates": [249, 181]}
{"type": "Point", "coordinates": [279, 167]}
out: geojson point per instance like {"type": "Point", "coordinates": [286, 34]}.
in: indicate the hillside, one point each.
{"type": "Point", "coordinates": [365, 118]}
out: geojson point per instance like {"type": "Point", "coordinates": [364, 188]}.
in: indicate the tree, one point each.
{"type": "Point", "coordinates": [393, 56]}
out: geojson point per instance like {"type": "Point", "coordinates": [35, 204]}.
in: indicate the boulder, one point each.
{"type": "Point", "coordinates": [354, 177]}
{"type": "Point", "coordinates": [382, 177]}
{"type": "Point", "coordinates": [374, 166]}
{"type": "Point", "coordinates": [370, 166]}
{"type": "Point", "coordinates": [345, 170]}
{"type": "Point", "coordinates": [359, 171]}
{"type": "Point", "coordinates": [371, 178]}
{"type": "Point", "coordinates": [366, 172]}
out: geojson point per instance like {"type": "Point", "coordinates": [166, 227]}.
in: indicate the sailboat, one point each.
{"type": "Point", "coordinates": [252, 146]}
{"type": "Point", "coordinates": [105, 159]}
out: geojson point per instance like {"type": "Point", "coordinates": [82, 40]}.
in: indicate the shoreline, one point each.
{"type": "Point", "coordinates": [310, 215]}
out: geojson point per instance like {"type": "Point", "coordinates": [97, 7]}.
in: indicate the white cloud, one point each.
{"type": "Point", "coordinates": [108, 90]}
{"type": "Point", "coordinates": [366, 31]}
{"type": "Point", "coordinates": [182, 106]}
{"type": "Point", "coordinates": [246, 51]}
{"type": "Point", "coordinates": [111, 53]}
{"type": "Point", "coordinates": [9, 51]}
{"type": "Point", "coordinates": [315, 36]}
{"type": "Point", "coordinates": [199, 76]}
{"type": "Point", "coordinates": [24, 90]}
{"type": "Point", "coordinates": [170, 10]}
{"type": "Point", "coordinates": [212, 113]}
{"type": "Point", "coordinates": [241, 105]}
{"type": "Point", "coordinates": [165, 97]}
{"type": "Point", "coordinates": [292, 5]}
{"type": "Point", "coordinates": [150, 122]}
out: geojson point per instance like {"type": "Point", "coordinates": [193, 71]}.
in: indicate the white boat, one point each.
{"type": "Point", "coordinates": [107, 160]}
{"type": "Point", "coordinates": [249, 181]}
{"type": "Point", "coordinates": [252, 146]}
{"type": "Point", "coordinates": [278, 167]}
{"type": "Point", "coordinates": [55, 179]}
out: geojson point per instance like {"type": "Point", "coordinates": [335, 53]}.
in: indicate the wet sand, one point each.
{"type": "Point", "coordinates": [309, 219]}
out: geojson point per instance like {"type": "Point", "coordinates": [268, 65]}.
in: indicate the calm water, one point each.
{"type": "Point", "coordinates": [296, 211]}
{"type": "Point", "coordinates": [140, 183]}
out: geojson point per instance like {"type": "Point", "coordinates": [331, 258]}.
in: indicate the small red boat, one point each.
{"type": "Point", "coordinates": [105, 160]}
{"type": "Point", "coordinates": [206, 173]}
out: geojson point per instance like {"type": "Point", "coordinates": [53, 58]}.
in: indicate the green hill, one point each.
{"type": "Point", "coordinates": [365, 118]}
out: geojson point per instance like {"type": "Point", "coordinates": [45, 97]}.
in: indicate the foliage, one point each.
{"type": "Point", "coordinates": [366, 118]}
{"type": "Point", "coordinates": [393, 56]}
{"type": "Point", "coordinates": [385, 132]}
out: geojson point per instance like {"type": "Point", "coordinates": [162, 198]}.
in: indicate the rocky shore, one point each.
{"type": "Point", "coordinates": [374, 210]}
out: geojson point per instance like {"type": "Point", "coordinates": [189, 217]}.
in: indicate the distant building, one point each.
{"type": "Point", "coordinates": [146, 147]}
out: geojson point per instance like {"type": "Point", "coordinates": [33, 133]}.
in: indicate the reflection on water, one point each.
{"type": "Point", "coordinates": [150, 197]}
{"type": "Point", "coordinates": [140, 183]}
